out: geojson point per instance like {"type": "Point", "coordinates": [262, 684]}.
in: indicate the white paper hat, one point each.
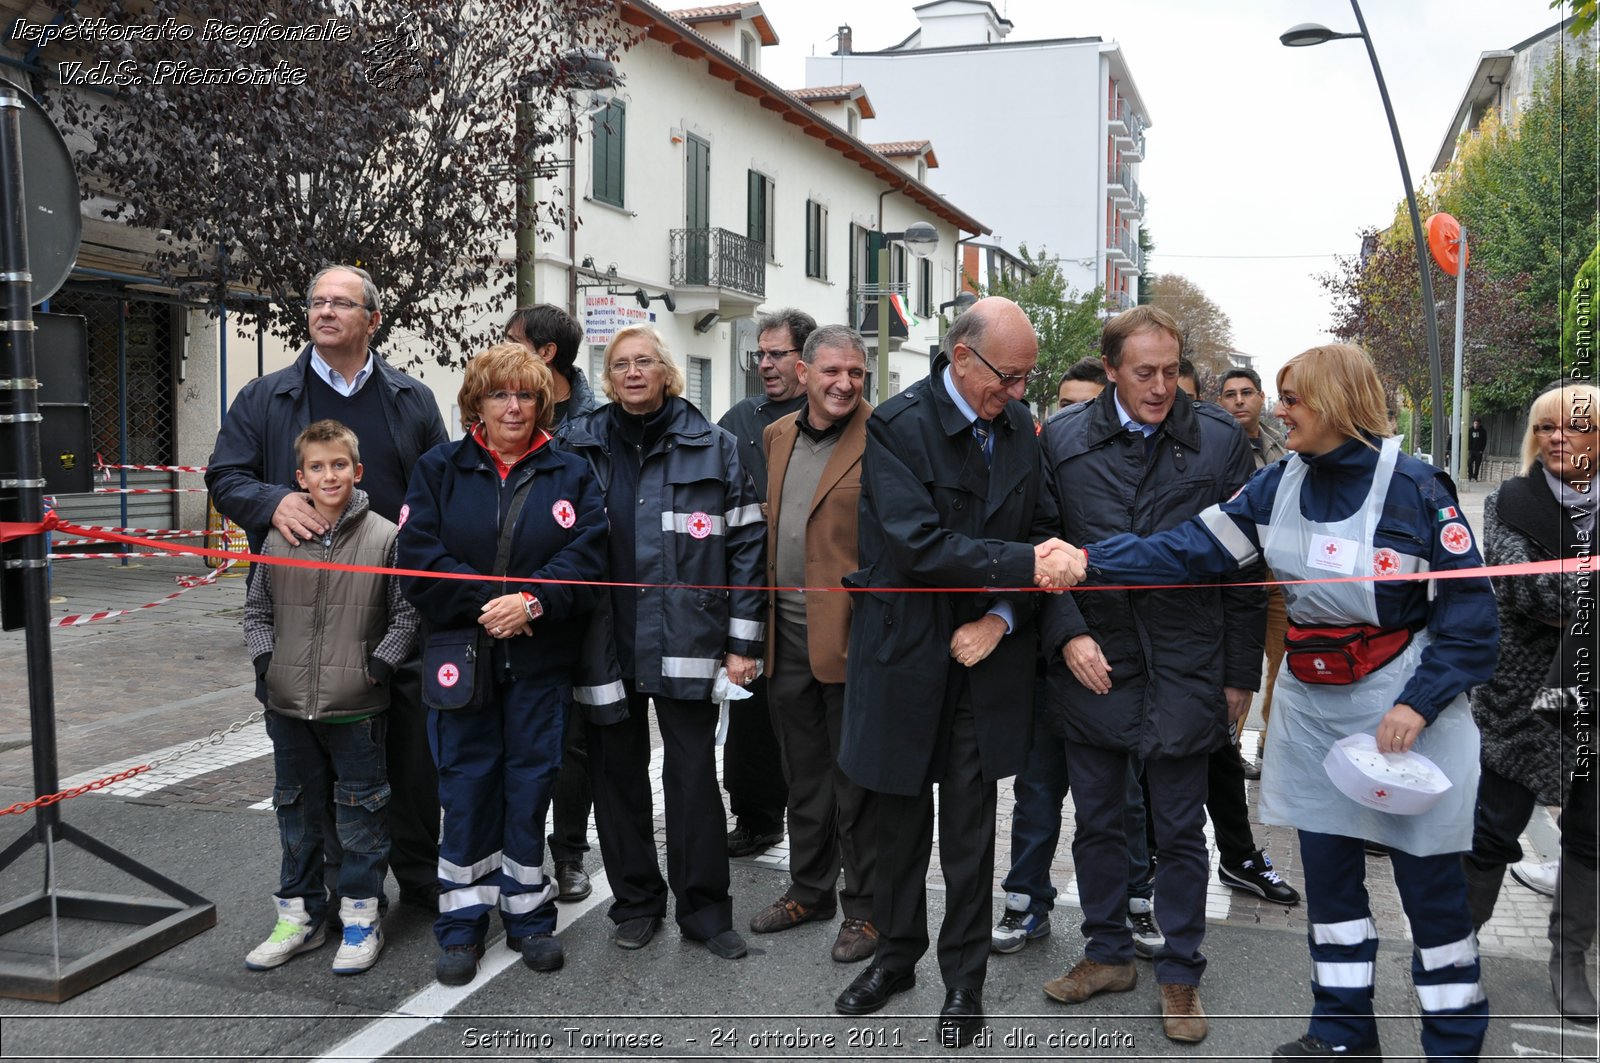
{"type": "Point", "coordinates": [1406, 784]}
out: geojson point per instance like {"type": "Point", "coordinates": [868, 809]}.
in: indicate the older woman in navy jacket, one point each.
{"type": "Point", "coordinates": [1348, 503]}
{"type": "Point", "coordinates": [497, 764]}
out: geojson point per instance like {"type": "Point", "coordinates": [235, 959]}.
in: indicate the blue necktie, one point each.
{"type": "Point", "coordinates": [982, 433]}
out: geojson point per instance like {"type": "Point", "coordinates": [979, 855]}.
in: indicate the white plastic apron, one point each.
{"type": "Point", "coordinates": [1309, 718]}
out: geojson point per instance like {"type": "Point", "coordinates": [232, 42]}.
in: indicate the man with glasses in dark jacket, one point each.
{"type": "Point", "coordinates": [251, 480]}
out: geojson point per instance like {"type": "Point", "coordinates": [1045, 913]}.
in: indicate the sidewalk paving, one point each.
{"type": "Point", "coordinates": [170, 675]}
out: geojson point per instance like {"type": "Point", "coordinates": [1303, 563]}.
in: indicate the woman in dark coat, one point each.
{"type": "Point", "coordinates": [497, 764]}
{"type": "Point", "coordinates": [1530, 748]}
{"type": "Point", "coordinates": [686, 527]}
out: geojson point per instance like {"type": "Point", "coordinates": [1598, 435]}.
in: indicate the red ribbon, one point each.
{"type": "Point", "coordinates": [1570, 566]}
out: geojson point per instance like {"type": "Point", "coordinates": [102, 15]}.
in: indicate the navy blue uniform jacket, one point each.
{"type": "Point", "coordinates": [451, 523]}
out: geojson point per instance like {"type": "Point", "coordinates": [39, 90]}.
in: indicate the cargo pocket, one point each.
{"type": "Point", "coordinates": [362, 826]}
{"type": "Point", "coordinates": [291, 813]}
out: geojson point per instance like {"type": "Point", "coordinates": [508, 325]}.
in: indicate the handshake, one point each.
{"type": "Point", "coordinates": [1059, 565]}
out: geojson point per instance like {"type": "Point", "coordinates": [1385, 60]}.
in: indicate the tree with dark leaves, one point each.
{"type": "Point", "coordinates": [263, 139]}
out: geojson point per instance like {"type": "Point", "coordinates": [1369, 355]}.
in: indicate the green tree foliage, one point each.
{"type": "Point", "coordinates": [1378, 304]}
{"type": "Point", "coordinates": [1525, 190]}
{"type": "Point", "coordinates": [1577, 321]}
{"type": "Point", "coordinates": [392, 143]}
{"type": "Point", "coordinates": [1068, 323]}
{"type": "Point", "coordinates": [1584, 15]}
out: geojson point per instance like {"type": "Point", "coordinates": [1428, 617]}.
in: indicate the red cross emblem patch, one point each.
{"type": "Point", "coordinates": [565, 515]}
{"type": "Point", "coordinates": [699, 525]}
{"type": "Point", "coordinates": [449, 674]}
{"type": "Point", "coordinates": [1330, 549]}
{"type": "Point", "coordinates": [1385, 562]}
{"type": "Point", "coordinates": [1455, 537]}
{"type": "Point", "coordinates": [1380, 793]}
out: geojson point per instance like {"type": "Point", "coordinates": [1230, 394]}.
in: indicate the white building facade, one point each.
{"type": "Point", "coordinates": [701, 179]}
{"type": "Point", "coordinates": [1062, 117]}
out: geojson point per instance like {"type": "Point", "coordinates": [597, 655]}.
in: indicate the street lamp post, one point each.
{"type": "Point", "coordinates": [921, 239]}
{"type": "Point", "coordinates": [1307, 34]}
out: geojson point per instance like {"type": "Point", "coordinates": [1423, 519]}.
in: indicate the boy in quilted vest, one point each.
{"type": "Point", "coordinates": [325, 643]}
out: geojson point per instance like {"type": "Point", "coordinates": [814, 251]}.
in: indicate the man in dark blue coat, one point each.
{"type": "Point", "coordinates": [251, 480]}
{"type": "Point", "coordinates": [1153, 675]}
{"type": "Point", "coordinates": [938, 686]}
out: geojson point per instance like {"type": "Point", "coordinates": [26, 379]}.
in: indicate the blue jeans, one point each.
{"type": "Point", "coordinates": [1039, 790]}
{"type": "Point", "coordinates": [316, 762]}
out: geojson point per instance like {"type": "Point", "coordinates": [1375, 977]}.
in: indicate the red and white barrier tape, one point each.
{"type": "Point", "coordinates": [108, 466]}
{"type": "Point", "coordinates": [189, 583]}
{"type": "Point", "coordinates": [147, 490]}
{"type": "Point", "coordinates": [102, 556]}
{"type": "Point", "coordinates": [148, 533]}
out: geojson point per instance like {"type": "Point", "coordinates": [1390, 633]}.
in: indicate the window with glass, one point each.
{"type": "Point", "coordinates": [816, 240]}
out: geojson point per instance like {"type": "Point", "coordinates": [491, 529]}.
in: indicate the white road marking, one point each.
{"type": "Point", "coordinates": [247, 744]}
{"type": "Point", "coordinates": [430, 1005]}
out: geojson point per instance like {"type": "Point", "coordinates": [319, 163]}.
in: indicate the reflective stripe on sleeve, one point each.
{"type": "Point", "coordinates": [606, 694]}
{"type": "Point", "coordinates": [749, 630]}
{"type": "Point", "coordinates": [1228, 534]}
{"type": "Point", "coordinates": [738, 518]}
{"type": "Point", "coordinates": [690, 667]}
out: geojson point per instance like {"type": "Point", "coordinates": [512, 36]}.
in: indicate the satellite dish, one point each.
{"type": "Point", "coordinates": [49, 198]}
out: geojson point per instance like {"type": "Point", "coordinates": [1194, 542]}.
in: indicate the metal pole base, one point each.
{"type": "Point", "coordinates": [162, 923]}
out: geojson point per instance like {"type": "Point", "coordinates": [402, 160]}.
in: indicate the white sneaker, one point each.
{"type": "Point", "coordinates": [363, 938]}
{"type": "Point", "coordinates": [293, 935]}
{"type": "Point", "coordinates": [1538, 877]}
{"type": "Point", "coordinates": [1147, 936]}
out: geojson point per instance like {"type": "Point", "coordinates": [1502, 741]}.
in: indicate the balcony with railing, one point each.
{"type": "Point", "coordinates": [1122, 251]}
{"type": "Point", "coordinates": [1136, 208]}
{"type": "Point", "coordinates": [1121, 301]}
{"type": "Point", "coordinates": [721, 259]}
{"type": "Point", "coordinates": [1121, 186]}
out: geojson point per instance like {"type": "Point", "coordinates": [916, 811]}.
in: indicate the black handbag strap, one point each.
{"type": "Point", "coordinates": [502, 554]}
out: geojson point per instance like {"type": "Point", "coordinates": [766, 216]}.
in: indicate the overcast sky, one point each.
{"type": "Point", "coordinates": [1256, 149]}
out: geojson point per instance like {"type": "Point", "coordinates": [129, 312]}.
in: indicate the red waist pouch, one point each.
{"type": "Point", "coordinates": [1338, 656]}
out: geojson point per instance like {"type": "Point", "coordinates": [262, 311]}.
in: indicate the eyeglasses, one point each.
{"type": "Point", "coordinates": [624, 367]}
{"type": "Point", "coordinates": [504, 398]}
{"type": "Point", "coordinates": [759, 356]}
{"type": "Point", "coordinates": [1240, 393]}
{"type": "Point", "coordinates": [1582, 426]}
{"type": "Point", "coordinates": [1006, 379]}
{"type": "Point", "coordinates": [344, 306]}
{"type": "Point", "coordinates": [1288, 400]}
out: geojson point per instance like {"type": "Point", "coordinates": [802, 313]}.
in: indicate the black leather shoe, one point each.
{"type": "Point", "coordinates": [872, 989]}
{"type": "Point", "coordinates": [572, 883]}
{"type": "Point", "coordinates": [742, 841]}
{"type": "Point", "coordinates": [961, 1017]}
{"type": "Point", "coordinates": [636, 933]}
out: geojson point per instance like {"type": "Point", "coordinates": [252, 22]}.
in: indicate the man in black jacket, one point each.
{"type": "Point", "coordinates": [1154, 675]}
{"type": "Point", "coordinates": [251, 480]}
{"type": "Point", "coordinates": [752, 764]}
{"type": "Point", "coordinates": [938, 685]}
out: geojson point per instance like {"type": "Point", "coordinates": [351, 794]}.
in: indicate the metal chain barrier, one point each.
{"type": "Point", "coordinates": [213, 739]}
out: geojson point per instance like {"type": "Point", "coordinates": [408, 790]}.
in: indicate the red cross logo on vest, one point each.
{"type": "Point", "coordinates": [448, 674]}
{"type": "Point", "coordinates": [1380, 793]}
{"type": "Point", "coordinates": [1331, 549]}
{"type": "Point", "coordinates": [699, 525]}
{"type": "Point", "coordinates": [1385, 562]}
{"type": "Point", "coordinates": [565, 515]}
{"type": "Point", "coordinates": [1455, 537]}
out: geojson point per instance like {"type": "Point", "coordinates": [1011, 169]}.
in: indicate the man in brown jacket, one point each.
{"type": "Point", "coordinates": [814, 492]}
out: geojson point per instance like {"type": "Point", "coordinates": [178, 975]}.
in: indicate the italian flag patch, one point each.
{"type": "Point", "coordinates": [1447, 513]}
